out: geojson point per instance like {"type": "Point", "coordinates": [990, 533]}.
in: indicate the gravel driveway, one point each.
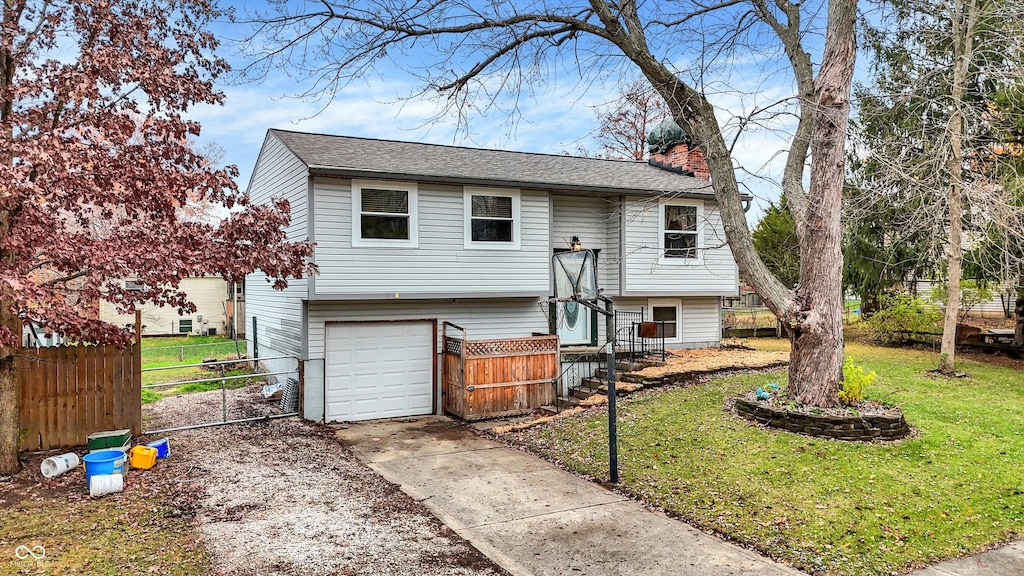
{"type": "Point", "coordinates": [284, 497]}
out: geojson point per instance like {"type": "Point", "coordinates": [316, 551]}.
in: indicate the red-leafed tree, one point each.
{"type": "Point", "coordinates": [97, 174]}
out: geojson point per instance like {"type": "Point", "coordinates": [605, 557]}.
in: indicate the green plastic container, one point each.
{"type": "Point", "coordinates": [109, 439]}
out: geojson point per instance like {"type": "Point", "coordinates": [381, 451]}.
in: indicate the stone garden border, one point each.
{"type": "Point", "coordinates": [855, 428]}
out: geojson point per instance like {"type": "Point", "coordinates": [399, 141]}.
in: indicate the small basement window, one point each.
{"type": "Point", "coordinates": [384, 214]}
{"type": "Point", "coordinates": [667, 320]}
{"type": "Point", "coordinates": [492, 218]}
{"type": "Point", "coordinates": [681, 229]}
{"type": "Point", "coordinates": [185, 326]}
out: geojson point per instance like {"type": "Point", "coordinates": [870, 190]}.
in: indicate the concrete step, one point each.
{"type": "Point", "coordinates": [622, 388]}
{"type": "Point", "coordinates": [602, 375]}
{"type": "Point", "coordinates": [583, 393]}
{"type": "Point", "coordinates": [567, 402]}
{"type": "Point", "coordinates": [561, 403]}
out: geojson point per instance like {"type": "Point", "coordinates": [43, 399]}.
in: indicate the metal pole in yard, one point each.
{"type": "Point", "coordinates": [181, 354]}
{"type": "Point", "coordinates": [613, 440]}
{"type": "Point", "coordinates": [223, 394]}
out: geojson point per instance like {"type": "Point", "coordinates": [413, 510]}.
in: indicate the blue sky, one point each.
{"type": "Point", "coordinates": [555, 119]}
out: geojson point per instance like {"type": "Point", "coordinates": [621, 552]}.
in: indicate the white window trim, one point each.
{"type": "Point", "coordinates": [663, 259]}
{"type": "Point", "coordinates": [670, 303]}
{"type": "Point", "coordinates": [357, 209]}
{"type": "Point", "coordinates": [467, 218]}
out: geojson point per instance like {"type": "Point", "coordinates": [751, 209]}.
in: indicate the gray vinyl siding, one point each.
{"type": "Point", "coordinates": [482, 319]}
{"type": "Point", "coordinates": [278, 174]}
{"type": "Point", "coordinates": [595, 222]}
{"type": "Point", "coordinates": [648, 274]}
{"type": "Point", "coordinates": [992, 308]}
{"type": "Point", "coordinates": [440, 264]}
{"type": "Point", "coordinates": [699, 323]}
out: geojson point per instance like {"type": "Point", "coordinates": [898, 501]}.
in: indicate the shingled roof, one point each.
{"type": "Point", "coordinates": [346, 156]}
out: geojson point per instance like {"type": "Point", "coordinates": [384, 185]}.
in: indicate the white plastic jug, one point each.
{"type": "Point", "coordinates": [56, 465]}
{"type": "Point", "coordinates": [102, 484]}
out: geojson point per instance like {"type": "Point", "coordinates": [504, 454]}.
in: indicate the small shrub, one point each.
{"type": "Point", "coordinates": [855, 381]}
{"type": "Point", "coordinates": [902, 316]}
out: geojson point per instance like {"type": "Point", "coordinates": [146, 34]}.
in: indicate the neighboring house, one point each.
{"type": "Point", "coordinates": [1000, 305]}
{"type": "Point", "coordinates": [210, 294]}
{"type": "Point", "coordinates": [409, 236]}
{"type": "Point", "coordinates": [747, 298]}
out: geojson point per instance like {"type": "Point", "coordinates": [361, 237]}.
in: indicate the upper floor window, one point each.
{"type": "Point", "coordinates": [384, 214]}
{"type": "Point", "coordinates": [492, 218]}
{"type": "Point", "coordinates": [682, 232]}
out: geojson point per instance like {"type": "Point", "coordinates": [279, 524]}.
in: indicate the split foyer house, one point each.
{"type": "Point", "coordinates": [409, 236]}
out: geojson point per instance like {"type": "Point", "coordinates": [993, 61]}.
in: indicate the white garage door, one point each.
{"type": "Point", "coordinates": [379, 370]}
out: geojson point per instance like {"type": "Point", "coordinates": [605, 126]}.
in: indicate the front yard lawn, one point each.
{"type": "Point", "coordinates": [956, 487]}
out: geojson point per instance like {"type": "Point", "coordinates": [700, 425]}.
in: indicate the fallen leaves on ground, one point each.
{"type": "Point", "coordinates": [710, 359]}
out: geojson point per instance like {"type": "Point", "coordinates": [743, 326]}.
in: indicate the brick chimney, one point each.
{"type": "Point", "coordinates": [683, 159]}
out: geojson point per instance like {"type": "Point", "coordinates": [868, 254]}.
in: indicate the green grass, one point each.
{"type": "Point", "coordinates": [135, 532]}
{"type": "Point", "coordinates": [829, 507]}
{"type": "Point", "coordinates": [186, 350]}
{"type": "Point", "coordinates": [150, 395]}
{"type": "Point", "coordinates": [179, 350]}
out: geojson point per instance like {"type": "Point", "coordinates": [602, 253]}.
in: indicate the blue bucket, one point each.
{"type": "Point", "coordinates": [104, 462]}
{"type": "Point", "coordinates": [163, 447]}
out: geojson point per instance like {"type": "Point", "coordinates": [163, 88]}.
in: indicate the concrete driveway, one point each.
{"type": "Point", "coordinates": [533, 518]}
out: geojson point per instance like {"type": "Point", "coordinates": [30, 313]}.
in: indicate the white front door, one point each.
{"type": "Point", "coordinates": [378, 370]}
{"type": "Point", "coordinates": [573, 323]}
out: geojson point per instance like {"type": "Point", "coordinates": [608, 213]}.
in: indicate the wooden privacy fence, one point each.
{"type": "Point", "coordinates": [487, 378]}
{"type": "Point", "coordinates": [69, 392]}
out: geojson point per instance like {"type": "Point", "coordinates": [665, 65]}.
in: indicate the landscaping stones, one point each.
{"type": "Point", "coordinates": [852, 428]}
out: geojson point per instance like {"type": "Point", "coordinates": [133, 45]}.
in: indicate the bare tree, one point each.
{"type": "Point", "coordinates": [625, 124]}
{"type": "Point", "coordinates": [932, 130]}
{"type": "Point", "coordinates": [469, 53]}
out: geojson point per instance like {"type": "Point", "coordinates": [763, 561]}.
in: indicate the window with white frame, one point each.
{"type": "Point", "coordinates": [384, 213]}
{"type": "Point", "coordinates": [666, 317]}
{"type": "Point", "coordinates": [681, 229]}
{"type": "Point", "coordinates": [491, 218]}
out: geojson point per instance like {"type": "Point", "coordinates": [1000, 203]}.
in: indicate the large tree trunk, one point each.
{"type": "Point", "coordinates": [816, 359]}
{"type": "Point", "coordinates": [9, 425]}
{"type": "Point", "coordinates": [812, 312]}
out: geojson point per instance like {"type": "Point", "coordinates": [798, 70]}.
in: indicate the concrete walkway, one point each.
{"type": "Point", "coordinates": [535, 519]}
{"type": "Point", "coordinates": [1005, 561]}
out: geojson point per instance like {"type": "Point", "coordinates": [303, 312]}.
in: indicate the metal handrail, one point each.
{"type": "Point", "coordinates": [572, 366]}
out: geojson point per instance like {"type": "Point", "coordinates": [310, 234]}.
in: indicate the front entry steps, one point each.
{"type": "Point", "coordinates": [597, 385]}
